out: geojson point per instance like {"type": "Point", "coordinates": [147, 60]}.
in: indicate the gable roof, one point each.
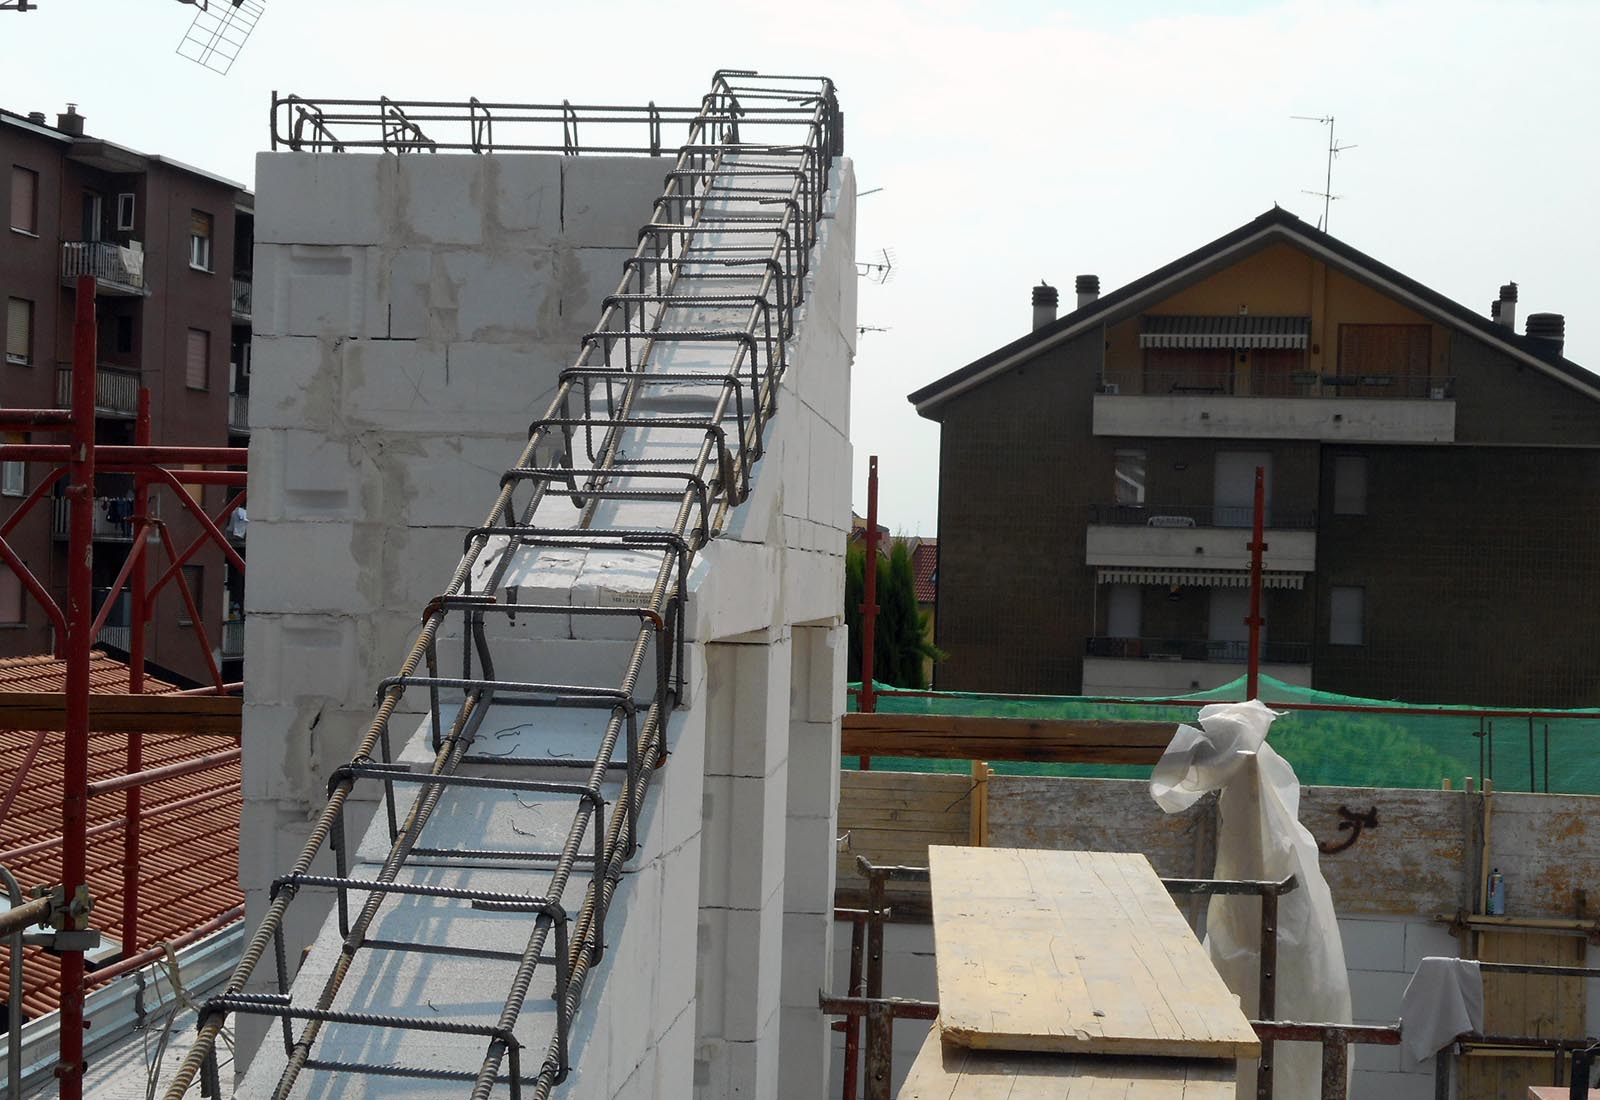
{"type": "Point", "coordinates": [925, 569]}
{"type": "Point", "coordinates": [1276, 225]}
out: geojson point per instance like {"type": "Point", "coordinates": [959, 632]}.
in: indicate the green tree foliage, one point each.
{"type": "Point", "coordinates": [901, 640]}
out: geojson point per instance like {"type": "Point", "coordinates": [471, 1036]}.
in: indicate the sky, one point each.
{"type": "Point", "coordinates": [1012, 140]}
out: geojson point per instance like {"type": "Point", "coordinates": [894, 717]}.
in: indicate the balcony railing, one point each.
{"type": "Point", "coordinates": [1198, 515]}
{"type": "Point", "coordinates": [1197, 649]}
{"type": "Point", "coordinates": [119, 637]}
{"type": "Point", "coordinates": [233, 638]}
{"type": "Point", "coordinates": [1199, 382]}
{"type": "Point", "coordinates": [116, 267]}
{"type": "Point", "coordinates": [116, 391]}
{"type": "Point", "coordinates": [239, 412]}
{"type": "Point", "coordinates": [242, 289]}
{"type": "Point", "coordinates": [113, 518]}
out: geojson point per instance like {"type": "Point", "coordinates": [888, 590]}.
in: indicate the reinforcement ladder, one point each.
{"type": "Point", "coordinates": [647, 445]}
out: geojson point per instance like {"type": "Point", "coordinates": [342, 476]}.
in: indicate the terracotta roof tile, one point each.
{"type": "Point", "coordinates": [189, 844]}
{"type": "Point", "coordinates": [925, 569]}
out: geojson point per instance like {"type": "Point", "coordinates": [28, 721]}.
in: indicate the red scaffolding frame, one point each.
{"type": "Point", "coordinates": [77, 627]}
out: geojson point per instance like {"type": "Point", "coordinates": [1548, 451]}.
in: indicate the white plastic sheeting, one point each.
{"type": "Point", "coordinates": [1259, 836]}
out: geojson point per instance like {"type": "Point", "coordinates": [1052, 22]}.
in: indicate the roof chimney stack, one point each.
{"type": "Point", "coordinates": [1507, 313]}
{"type": "Point", "coordinates": [37, 118]}
{"type": "Point", "coordinates": [71, 122]}
{"type": "Point", "coordinates": [1045, 298]}
{"type": "Point", "coordinates": [1548, 327]}
{"type": "Point", "coordinates": [1088, 288]}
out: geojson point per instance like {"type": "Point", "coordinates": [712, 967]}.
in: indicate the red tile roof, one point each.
{"type": "Point", "coordinates": [189, 854]}
{"type": "Point", "coordinates": [925, 569]}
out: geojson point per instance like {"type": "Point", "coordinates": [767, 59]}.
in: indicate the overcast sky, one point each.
{"type": "Point", "coordinates": [1013, 141]}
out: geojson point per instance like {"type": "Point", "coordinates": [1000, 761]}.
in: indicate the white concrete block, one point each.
{"type": "Point", "coordinates": [742, 852]}
{"type": "Point", "coordinates": [1423, 940]}
{"type": "Point", "coordinates": [294, 385]}
{"type": "Point", "coordinates": [807, 957]}
{"type": "Point", "coordinates": [1391, 1086]}
{"type": "Point", "coordinates": [285, 553]}
{"type": "Point", "coordinates": [810, 862]}
{"type": "Point", "coordinates": [401, 311]}
{"type": "Point", "coordinates": [440, 199]}
{"type": "Point", "coordinates": [322, 198]}
{"type": "Point", "coordinates": [675, 1058]}
{"type": "Point", "coordinates": [1374, 944]}
{"type": "Point", "coordinates": [804, 1053]}
{"type": "Point", "coordinates": [606, 199]}
{"type": "Point", "coordinates": [323, 290]}
{"type": "Point", "coordinates": [498, 297]}
{"type": "Point", "coordinates": [1375, 995]}
{"type": "Point", "coordinates": [526, 193]}
{"type": "Point", "coordinates": [814, 770]}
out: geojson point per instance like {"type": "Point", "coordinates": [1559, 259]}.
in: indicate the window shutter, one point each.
{"type": "Point", "coordinates": [24, 199]}
{"type": "Point", "coordinates": [199, 224]}
{"type": "Point", "coordinates": [198, 372]}
{"type": "Point", "coordinates": [19, 329]}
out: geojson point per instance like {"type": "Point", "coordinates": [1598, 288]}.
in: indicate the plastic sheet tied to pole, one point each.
{"type": "Point", "coordinates": [1259, 836]}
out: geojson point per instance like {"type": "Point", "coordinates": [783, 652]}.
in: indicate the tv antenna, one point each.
{"type": "Point", "coordinates": [862, 330]}
{"type": "Point", "coordinates": [219, 31]}
{"type": "Point", "coordinates": [878, 271]}
{"type": "Point", "coordinates": [1334, 149]}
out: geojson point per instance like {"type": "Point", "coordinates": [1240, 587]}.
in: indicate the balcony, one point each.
{"type": "Point", "coordinates": [1369, 408]}
{"type": "Point", "coordinates": [1172, 666]}
{"type": "Point", "coordinates": [1156, 536]}
{"type": "Point", "coordinates": [119, 271]}
{"type": "Point", "coordinates": [118, 637]}
{"type": "Point", "coordinates": [116, 391]}
{"type": "Point", "coordinates": [239, 412]}
{"type": "Point", "coordinates": [113, 518]}
{"type": "Point", "coordinates": [233, 638]}
{"type": "Point", "coordinates": [242, 293]}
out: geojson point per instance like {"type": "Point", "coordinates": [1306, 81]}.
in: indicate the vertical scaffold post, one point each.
{"type": "Point", "coordinates": [138, 584]}
{"type": "Point", "coordinates": [80, 619]}
{"type": "Point", "coordinates": [1257, 547]}
{"type": "Point", "coordinates": [867, 700]}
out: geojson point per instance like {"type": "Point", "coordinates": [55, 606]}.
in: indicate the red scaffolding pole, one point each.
{"type": "Point", "coordinates": [1258, 546]}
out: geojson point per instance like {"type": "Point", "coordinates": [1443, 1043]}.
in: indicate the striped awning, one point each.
{"type": "Point", "coordinates": [1199, 578]}
{"type": "Point", "coordinates": [1185, 331]}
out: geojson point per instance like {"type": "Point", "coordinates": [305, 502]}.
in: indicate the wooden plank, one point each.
{"type": "Point", "coordinates": [973, 737]}
{"type": "Point", "coordinates": [947, 1071]}
{"type": "Point", "coordinates": [1074, 952]}
{"type": "Point", "coordinates": [112, 713]}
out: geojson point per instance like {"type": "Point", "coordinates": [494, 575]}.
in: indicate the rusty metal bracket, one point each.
{"type": "Point", "coordinates": [1353, 823]}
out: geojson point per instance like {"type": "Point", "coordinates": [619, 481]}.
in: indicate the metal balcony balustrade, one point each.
{"type": "Point", "coordinates": [243, 296]}
{"type": "Point", "coordinates": [704, 310]}
{"type": "Point", "coordinates": [116, 390]}
{"type": "Point", "coordinates": [233, 638]}
{"type": "Point", "coordinates": [1197, 515]}
{"type": "Point", "coordinates": [1139, 381]}
{"type": "Point", "coordinates": [117, 270]}
{"type": "Point", "coordinates": [113, 518]}
{"type": "Point", "coordinates": [239, 412]}
{"type": "Point", "coordinates": [1196, 649]}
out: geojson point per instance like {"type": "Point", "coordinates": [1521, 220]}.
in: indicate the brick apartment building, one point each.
{"type": "Point", "coordinates": [170, 246]}
{"type": "Point", "coordinates": [1433, 484]}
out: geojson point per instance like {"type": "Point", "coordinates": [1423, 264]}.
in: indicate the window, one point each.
{"type": "Point", "coordinates": [199, 240]}
{"type": "Point", "coordinates": [19, 330]}
{"type": "Point", "coordinates": [14, 479]}
{"type": "Point", "coordinates": [10, 596]}
{"type": "Point", "coordinates": [125, 211]}
{"type": "Point", "coordinates": [24, 200]}
{"type": "Point", "coordinates": [1349, 485]}
{"type": "Point", "coordinates": [124, 335]}
{"type": "Point", "coordinates": [198, 370]}
{"type": "Point", "coordinates": [195, 577]}
{"type": "Point", "coordinates": [1129, 487]}
{"type": "Point", "coordinates": [1347, 615]}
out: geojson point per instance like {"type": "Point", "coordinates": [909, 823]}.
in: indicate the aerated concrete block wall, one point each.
{"type": "Point", "coordinates": [412, 314]}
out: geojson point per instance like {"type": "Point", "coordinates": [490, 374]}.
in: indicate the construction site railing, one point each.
{"type": "Point", "coordinates": [865, 996]}
{"type": "Point", "coordinates": [586, 424]}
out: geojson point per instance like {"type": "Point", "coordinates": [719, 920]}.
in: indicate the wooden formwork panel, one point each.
{"type": "Point", "coordinates": [1074, 953]}
{"type": "Point", "coordinates": [892, 818]}
{"type": "Point", "coordinates": [946, 1071]}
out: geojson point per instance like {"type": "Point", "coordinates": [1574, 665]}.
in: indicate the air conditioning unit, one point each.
{"type": "Point", "coordinates": [1111, 388]}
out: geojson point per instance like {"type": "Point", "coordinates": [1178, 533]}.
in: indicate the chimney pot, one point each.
{"type": "Point", "coordinates": [1507, 313]}
{"type": "Point", "coordinates": [1088, 288]}
{"type": "Point", "coordinates": [1550, 328]}
{"type": "Point", "coordinates": [37, 118]}
{"type": "Point", "coordinates": [1045, 298]}
{"type": "Point", "coordinates": [71, 122]}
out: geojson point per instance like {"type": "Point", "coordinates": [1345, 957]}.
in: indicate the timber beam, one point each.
{"type": "Point", "coordinates": [121, 713]}
{"type": "Point", "coordinates": [1037, 740]}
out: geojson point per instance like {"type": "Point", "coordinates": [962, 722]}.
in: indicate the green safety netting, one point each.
{"type": "Point", "coordinates": [1417, 746]}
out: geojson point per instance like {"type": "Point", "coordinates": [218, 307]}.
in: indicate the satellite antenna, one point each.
{"type": "Point", "coordinates": [877, 271]}
{"type": "Point", "coordinates": [17, 5]}
{"type": "Point", "coordinates": [1334, 149]}
{"type": "Point", "coordinates": [219, 31]}
{"type": "Point", "coordinates": [862, 330]}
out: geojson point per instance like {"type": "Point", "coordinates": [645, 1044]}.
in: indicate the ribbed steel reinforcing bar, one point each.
{"type": "Point", "coordinates": [719, 270]}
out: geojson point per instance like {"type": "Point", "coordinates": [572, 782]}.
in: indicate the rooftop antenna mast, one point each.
{"type": "Point", "coordinates": [1334, 149]}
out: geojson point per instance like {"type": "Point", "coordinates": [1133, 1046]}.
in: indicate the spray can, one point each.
{"type": "Point", "coordinates": [1497, 894]}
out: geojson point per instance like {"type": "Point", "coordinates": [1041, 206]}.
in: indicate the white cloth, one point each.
{"type": "Point", "coordinates": [1443, 1002]}
{"type": "Point", "coordinates": [1259, 836]}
